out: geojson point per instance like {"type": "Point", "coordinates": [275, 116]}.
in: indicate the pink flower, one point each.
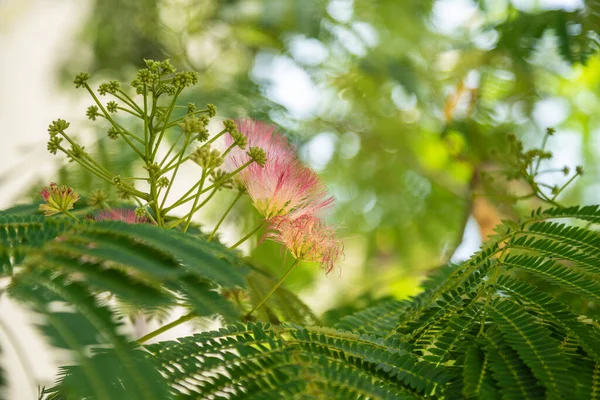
{"type": "Point", "coordinates": [126, 215]}
{"type": "Point", "coordinates": [283, 186]}
{"type": "Point", "coordinates": [308, 238]}
{"type": "Point", "coordinates": [58, 199]}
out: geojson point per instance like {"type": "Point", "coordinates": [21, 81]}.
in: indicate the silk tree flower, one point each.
{"type": "Point", "coordinates": [126, 215]}
{"type": "Point", "coordinates": [283, 186]}
{"type": "Point", "coordinates": [308, 238]}
{"type": "Point", "coordinates": [57, 199]}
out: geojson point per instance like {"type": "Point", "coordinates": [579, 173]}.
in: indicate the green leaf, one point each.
{"type": "Point", "coordinates": [514, 377]}
{"type": "Point", "coordinates": [83, 325]}
{"type": "Point", "coordinates": [203, 298]}
{"type": "Point", "coordinates": [477, 381]}
{"type": "Point", "coordinates": [559, 274]}
{"type": "Point", "coordinates": [534, 345]}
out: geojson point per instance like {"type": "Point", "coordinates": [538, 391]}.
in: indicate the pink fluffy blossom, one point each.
{"type": "Point", "coordinates": [308, 238]}
{"type": "Point", "coordinates": [123, 214]}
{"type": "Point", "coordinates": [283, 186]}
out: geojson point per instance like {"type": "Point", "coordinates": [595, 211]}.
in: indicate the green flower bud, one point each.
{"type": "Point", "coordinates": [162, 182]}
{"type": "Point", "coordinates": [212, 110]}
{"type": "Point", "coordinates": [117, 182]}
{"type": "Point", "coordinates": [77, 151]}
{"type": "Point", "coordinates": [184, 79]}
{"type": "Point", "coordinates": [92, 112]}
{"type": "Point", "coordinates": [579, 170]}
{"type": "Point", "coordinates": [258, 155]}
{"type": "Point", "coordinates": [53, 144]}
{"type": "Point", "coordinates": [566, 170]}
{"type": "Point", "coordinates": [230, 126]}
{"type": "Point", "coordinates": [60, 125]}
{"type": "Point", "coordinates": [140, 212]}
{"type": "Point", "coordinates": [555, 190]}
{"type": "Point", "coordinates": [81, 79]}
{"type": "Point", "coordinates": [193, 125]}
{"type": "Point", "coordinates": [166, 68]}
{"type": "Point", "coordinates": [191, 108]}
{"type": "Point", "coordinates": [550, 131]}
{"type": "Point", "coordinates": [146, 77]}
{"type": "Point", "coordinates": [153, 169]}
{"type": "Point", "coordinates": [220, 179]}
{"type": "Point", "coordinates": [239, 139]}
{"type": "Point", "coordinates": [152, 65]}
{"type": "Point", "coordinates": [207, 158]}
{"type": "Point", "coordinates": [113, 133]}
{"type": "Point", "coordinates": [111, 87]}
{"type": "Point", "coordinates": [111, 106]}
{"type": "Point", "coordinates": [97, 198]}
{"type": "Point", "coordinates": [202, 135]}
{"type": "Point", "coordinates": [168, 89]}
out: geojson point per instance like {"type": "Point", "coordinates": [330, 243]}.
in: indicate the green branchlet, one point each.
{"type": "Point", "coordinates": [158, 85]}
{"type": "Point", "coordinates": [525, 165]}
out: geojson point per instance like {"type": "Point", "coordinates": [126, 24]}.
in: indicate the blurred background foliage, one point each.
{"type": "Point", "coordinates": [399, 105]}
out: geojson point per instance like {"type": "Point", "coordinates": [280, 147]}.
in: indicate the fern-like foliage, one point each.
{"type": "Point", "coordinates": [494, 327]}
{"type": "Point", "coordinates": [479, 330]}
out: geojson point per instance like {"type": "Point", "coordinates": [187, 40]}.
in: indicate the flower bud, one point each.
{"type": "Point", "coordinates": [53, 144]}
{"type": "Point", "coordinates": [258, 155]}
{"type": "Point", "coordinates": [212, 110]}
{"type": "Point", "coordinates": [97, 198]}
{"type": "Point", "coordinates": [81, 79]}
{"type": "Point", "coordinates": [162, 182]}
{"type": "Point", "coordinates": [57, 199]}
{"type": "Point", "coordinates": [111, 87]}
{"type": "Point", "coordinates": [60, 125]}
{"type": "Point", "coordinates": [92, 112]}
{"type": "Point", "coordinates": [111, 106]}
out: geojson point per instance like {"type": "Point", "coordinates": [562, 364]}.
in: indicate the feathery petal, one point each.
{"type": "Point", "coordinates": [126, 215]}
{"type": "Point", "coordinates": [308, 238]}
{"type": "Point", "coordinates": [283, 186]}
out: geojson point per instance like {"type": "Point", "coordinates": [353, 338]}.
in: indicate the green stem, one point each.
{"type": "Point", "coordinates": [180, 220]}
{"type": "Point", "coordinates": [563, 187]}
{"type": "Point", "coordinates": [170, 165]}
{"type": "Point", "coordinates": [164, 128]}
{"type": "Point", "coordinates": [135, 114]}
{"type": "Point", "coordinates": [184, 199]}
{"type": "Point", "coordinates": [109, 118]}
{"type": "Point", "coordinates": [252, 232]}
{"type": "Point", "coordinates": [128, 100]}
{"type": "Point", "coordinates": [101, 175]}
{"type": "Point", "coordinates": [273, 289]}
{"type": "Point", "coordinates": [165, 328]}
{"type": "Point", "coordinates": [175, 122]}
{"type": "Point", "coordinates": [185, 145]}
{"type": "Point", "coordinates": [198, 193]}
{"type": "Point", "coordinates": [539, 160]}
{"type": "Point", "coordinates": [171, 150]}
{"type": "Point", "coordinates": [214, 232]}
{"type": "Point", "coordinates": [68, 214]}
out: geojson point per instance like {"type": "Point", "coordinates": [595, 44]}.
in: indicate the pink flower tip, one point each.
{"type": "Point", "coordinates": [126, 215]}
{"type": "Point", "coordinates": [308, 238]}
{"type": "Point", "coordinates": [283, 186]}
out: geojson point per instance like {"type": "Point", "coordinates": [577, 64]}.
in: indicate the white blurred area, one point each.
{"type": "Point", "coordinates": [34, 37]}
